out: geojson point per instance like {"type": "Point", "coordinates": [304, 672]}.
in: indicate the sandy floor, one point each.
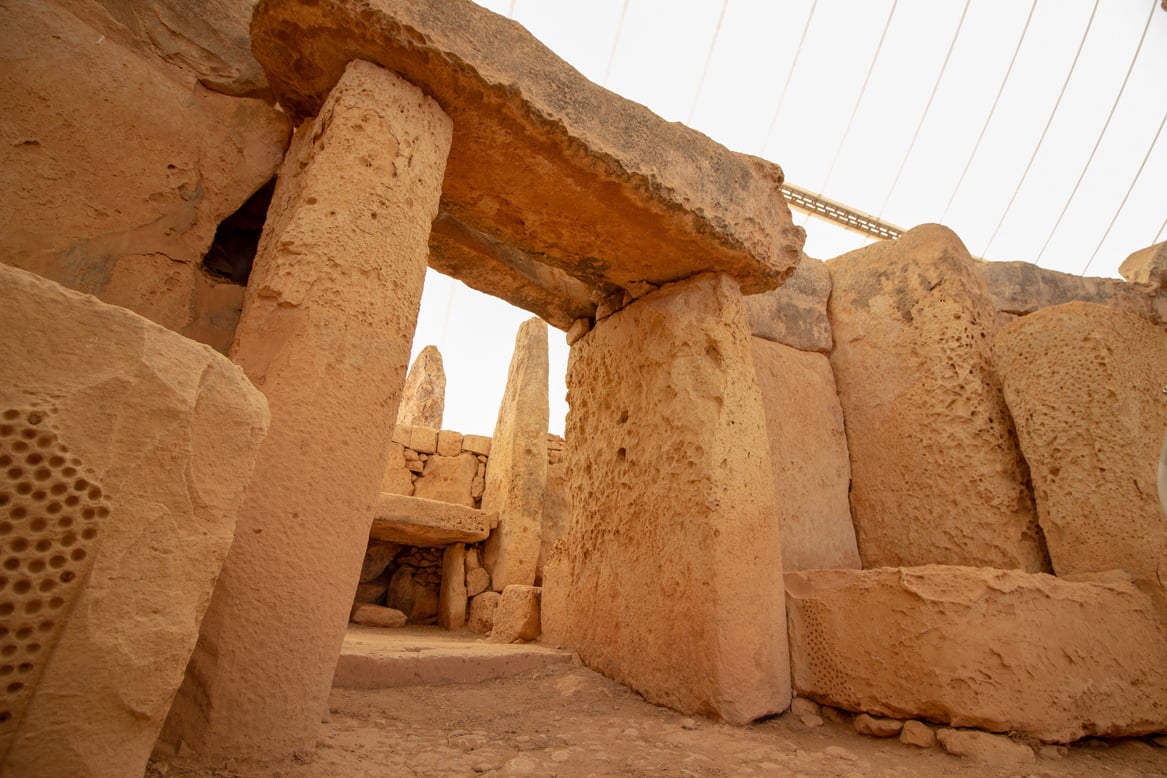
{"type": "Point", "coordinates": [568, 721]}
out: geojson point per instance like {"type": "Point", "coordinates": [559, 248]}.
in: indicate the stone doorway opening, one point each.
{"type": "Point", "coordinates": [232, 252]}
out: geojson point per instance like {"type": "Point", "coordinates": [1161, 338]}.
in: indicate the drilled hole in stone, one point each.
{"type": "Point", "coordinates": [23, 488]}
{"type": "Point", "coordinates": [6, 608]}
{"type": "Point", "coordinates": [11, 563]}
{"type": "Point", "coordinates": [56, 562]}
{"type": "Point", "coordinates": [43, 545]}
{"type": "Point", "coordinates": [102, 512]}
{"type": "Point", "coordinates": [40, 495]}
{"type": "Point", "coordinates": [8, 650]}
{"type": "Point", "coordinates": [53, 508]}
{"type": "Point", "coordinates": [56, 460]}
{"type": "Point", "coordinates": [67, 521]}
{"type": "Point", "coordinates": [27, 434]}
{"type": "Point", "coordinates": [95, 492]}
{"type": "Point", "coordinates": [5, 460]}
{"type": "Point", "coordinates": [22, 586]}
{"type": "Point", "coordinates": [72, 501]}
{"type": "Point", "coordinates": [33, 648]}
{"type": "Point", "coordinates": [35, 417]}
{"type": "Point", "coordinates": [15, 473]}
{"type": "Point", "coordinates": [48, 584]}
{"type": "Point", "coordinates": [24, 633]}
{"type": "Point", "coordinates": [14, 687]}
{"type": "Point", "coordinates": [68, 539]}
{"type": "Point", "coordinates": [5, 527]}
{"type": "Point", "coordinates": [38, 525]}
{"type": "Point", "coordinates": [6, 670]}
{"type": "Point", "coordinates": [89, 533]}
{"type": "Point", "coordinates": [25, 668]}
{"type": "Point", "coordinates": [56, 602]}
{"type": "Point", "coordinates": [37, 566]}
{"type": "Point", "coordinates": [77, 554]}
{"type": "Point", "coordinates": [42, 474]}
{"type": "Point", "coordinates": [11, 414]}
{"type": "Point", "coordinates": [5, 498]}
{"type": "Point", "coordinates": [80, 485]}
{"type": "Point", "coordinates": [18, 545]}
{"type": "Point", "coordinates": [5, 716]}
{"type": "Point", "coordinates": [19, 512]}
{"type": "Point", "coordinates": [66, 576]}
{"type": "Point", "coordinates": [58, 489]}
{"type": "Point", "coordinates": [33, 607]}
{"type": "Point", "coordinates": [45, 626]}
{"type": "Point", "coordinates": [34, 459]}
{"type": "Point", "coordinates": [69, 472]}
{"type": "Point", "coordinates": [45, 441]}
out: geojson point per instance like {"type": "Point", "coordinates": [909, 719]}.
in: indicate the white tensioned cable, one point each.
{"type": "Point", "coordinates": [511, 10]}
{"type": "Point", "coordinates": [615, 42]}
{"type": "Point", "coordinates": [786, 86]}
{"type": "Point", "coordinates": [859, 100]}
{"type": "Point", "coordinates": [1130, 189]}
{"type": "Point", "coordinates": [1159, 234]}
{"type": "Point", "coordinates": [1049, 121]}
{"type": "Point", "coordinates": [708, 62]}
{"type": "Point", "coordinates": [1098, 142]}
{"type": "Point", "coordinates": [993, 110]}
{"type": "Point", "coordinates": [928, 106]}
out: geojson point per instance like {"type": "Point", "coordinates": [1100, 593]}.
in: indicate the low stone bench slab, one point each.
{"type": "Point", "coordinates": [999, 650]}
{"type": "Point", "coordinates": [415, 521]}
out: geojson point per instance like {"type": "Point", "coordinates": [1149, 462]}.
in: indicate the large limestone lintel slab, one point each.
{"type": "Point", "coordinates": [125, 451]}
{"type": "Point", "coordinates": [542, 159]}
{"type": "Point", "coordinates": [1000, 650]}
{"type": "Point", "coordinates": [669, 576]}
{"type": "Point", "coordinates": [416, 521]}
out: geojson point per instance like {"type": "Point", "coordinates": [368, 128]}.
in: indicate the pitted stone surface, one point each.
{"type": "Point", "coordinates": [669, 576]}
{"type": "Point", "coordinates": [1085, 384]}
{"type": "Point", "coordinates": [937, 476]}
{"type": "Point", "coordinates": [609, 193]}
{"type": "Point", "coordinates": [999, 650]}
{"type": "Point", "coordinates": [126, 449]}
{"type": "Point", "coordinates": [325, 333]}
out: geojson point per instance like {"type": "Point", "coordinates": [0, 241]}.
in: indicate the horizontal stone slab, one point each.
{"type": "Point", "coordinates": [557, 191]}
{"type": "Point", "coordinates": [999, 650]}
{"type": "Point", "coordinates": [415, 521]}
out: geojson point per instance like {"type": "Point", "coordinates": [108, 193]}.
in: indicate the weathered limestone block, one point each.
{"type": "Point", "coordinates": [999, 650]}
{"type": "Point", "coordinates": [808, 450]}
{"type": "Point", "coordinates": [1020, 288]}
{"type": "Point", "coordinates": [423, 440]}
{"type": "Point", "coordinates": [423, 400]}
{"type": "Point", "coordinates": [676, 457]}
{"type": "Point", "coordinates": [482, 609]}
{"type": "Point", "coordinates": [556, 511]}
{"type": "Point", "coordinates": [397, 478]}
{"type": "Point", "coordinates": [516, 480]}
{"type": "Point", "coordinates": [1085, 386]}
{"type": "Point", "coordinates": [449, 443]}
{"type": "Point", "coordinates": [378, 555]}
{"type": "Point", "coordinates": [795, 314]}
{"type": "Point", "coordinates": [517, 616]}
{"type": "Point", "coordinates": [127, 212]}
{"type": "Point", "coordinates": [210, 40]}
{"type": "Point", "coordinates": [1147, 266]}
{"type": "Point", "coordinates": [610, 195]}
{"type": "Point", "coordinates": [415, 521]}
{"type": "Point", "coordinates": [325, 334]}
{"type": "Point", "coordinates": [378, 616]}
{"type": "Point", "coordinates": [452, 600]}
{"type": "Point", "coordinates": [476, 444]}
{"type": "Point", "coordinates": [125, 450]}
{"type": "Point", "coordinates": [936, 473]}
{"type": "Point", "coordinates": [448, 479]}
{"type": "Point", "coordinates": [477, 581]}
{"type": "Point", "coordinates": [984, 747]}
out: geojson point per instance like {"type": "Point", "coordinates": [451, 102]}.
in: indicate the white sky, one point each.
{"type": "Point", "coordinates": [851, 150]}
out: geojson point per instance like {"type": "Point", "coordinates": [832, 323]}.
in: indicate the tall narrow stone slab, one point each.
{"type": "Point", "coordinates": [936, 473]}
{"type": "Point", "coordinates": [423, 401]}
{"type": "Point", "coordinates": [669, 578]}
{"type": "Point", "coordinates": [124, 453]}
{"type": "Point", "coordinates": [999, 650]}
{"type": "Point", "coordinates": [1085, 385]}
{"type": "Point", "coordinates": [516, 478]}
{"type": "Point", "coordinates": [808, 449]}
{"type": "Point", "coordinates": [325, 334]}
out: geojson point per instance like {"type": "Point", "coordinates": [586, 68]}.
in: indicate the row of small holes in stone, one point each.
{"type": "Point", "coordinates": [48, 513]}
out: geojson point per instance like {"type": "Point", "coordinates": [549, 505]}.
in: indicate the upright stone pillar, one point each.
{"type": "Point", "coordinates": [423, 401]}
{"type": "Point", "coordinates": [325, 334]}
{"type": "Point", "coordinates": [669, 578]}
{"type": "Point", "coordinates": [516, 476]}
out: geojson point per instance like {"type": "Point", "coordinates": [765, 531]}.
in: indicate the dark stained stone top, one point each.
{"type": "Point", "coordinates": [557, 191]}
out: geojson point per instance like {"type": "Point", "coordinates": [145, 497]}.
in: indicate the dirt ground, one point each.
{"type": "Point", "coordinates": [569, 722]}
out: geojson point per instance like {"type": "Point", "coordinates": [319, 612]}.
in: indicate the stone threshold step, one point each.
{"type": "Point", "coordinates": [379, 658]}
{"type": "Point", "coordinates": [416, 521]}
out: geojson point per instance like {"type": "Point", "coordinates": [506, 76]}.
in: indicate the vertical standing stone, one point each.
{"type": "Point", "coordinates": [516, 478]}
{"type": "Point", "coordinates": [452, 598]}
{"type": "Point", "coordinates": [1085, 385]}
{"type": "Point", "coordinates": [325, 334]}
{"type": "Point", "coordinates": [936, 473]}
{"type": "Point", "coordinates": [669, 578]}
{"type": "Point", "coordinates": [808, 446]}
{"type": "Point", "coordinates": [423, 400]}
